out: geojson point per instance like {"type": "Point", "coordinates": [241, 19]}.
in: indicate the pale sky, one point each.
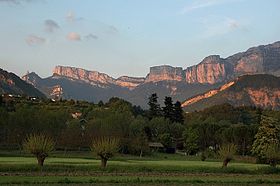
{"type": "Point", "coordinates": [126, 37]}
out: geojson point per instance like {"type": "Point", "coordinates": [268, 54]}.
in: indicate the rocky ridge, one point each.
{"type": "Point", "coordinates": [181, 84]}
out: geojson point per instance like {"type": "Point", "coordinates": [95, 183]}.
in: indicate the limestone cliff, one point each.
{"type": "Point", "coordinates": [263, 59]}
{"type": "Point", "coordinates": [211, 70]}
{"type": "Point", "coordinates": [129, 82]}
{"type": "Point", "coordinates": [92, 77]}
{"type": "Point", "coordinates": [165, 73]}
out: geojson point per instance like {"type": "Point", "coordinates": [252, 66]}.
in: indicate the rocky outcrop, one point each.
{"type": "Point", "coordinates": [207, 94]}
{"type": "Point", "coordinates": [211, 70]}
{"type": "Point", "coordinates": [261, 90]}
{"type": "Point", "coordinates": [96, 78]}
{"type": "Point", "coordinates": [32, 78]}
{"type": "Point", "coordinates": [263, 59]}
{"type": "Point", "coordinates": [56, 91]}
{"type": "Point", "coordinates": [165, 73]}
{"type": "Point", "coordinates": [129, 82]}
{"type": "Point", "coordinates": [265, 98]}
{"type": "Point", "coordinates": [92, 77]}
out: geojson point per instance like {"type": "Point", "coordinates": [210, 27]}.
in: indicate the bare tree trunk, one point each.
{"type": "Point", "coordinates": [65, 151]}
{"type": "Point", "coordinates": [272, 163]}
{"type": "Point", "coordinates": [103, 162]}
{"type": "Point", "coordinates": [225, 163]}
{"type": "Point", "coordinates": [41, 160]}
{"type": "Point", "coordinates": [141, 153]}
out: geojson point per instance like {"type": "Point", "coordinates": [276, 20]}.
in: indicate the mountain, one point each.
{"type": "Point", "coordinates": [181, 84]}
{"type": "Point", "coordinates": [80, 84]}
{"type": "Point", "coordinates": [12, 84]}
{"type": "Point", "coordinates": [262, 59]}
{"type": "Point", "coordinates": [260, 90]}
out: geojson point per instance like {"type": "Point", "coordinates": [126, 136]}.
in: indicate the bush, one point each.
{"type": "Point", "coordinates": [227, 152]}
{"type": "Point", "coordinates": [105, 148]}
{"type": "Point", "coordinates": [39, 145]}
{"type": "Point", "coordinates": [272, 154]}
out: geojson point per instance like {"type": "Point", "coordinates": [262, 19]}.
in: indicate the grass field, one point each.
{"type": "Point", "coordinates": [128, 170]}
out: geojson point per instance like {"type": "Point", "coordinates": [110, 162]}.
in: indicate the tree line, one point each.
{"type": "Point", "coordinates": [74, 124]}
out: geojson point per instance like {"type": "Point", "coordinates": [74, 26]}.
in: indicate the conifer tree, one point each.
{"type": "Point", "coordinates": [178, 113]}
{"type": "Point", "coordinates": [168, 109]}
{"type": "Point", "coordinates": [154, 110]}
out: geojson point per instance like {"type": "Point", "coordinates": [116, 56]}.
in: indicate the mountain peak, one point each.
{"type": "Point", "coordinates": [211, 59]}
{"type": "Point", "coordinates": [12, 84]}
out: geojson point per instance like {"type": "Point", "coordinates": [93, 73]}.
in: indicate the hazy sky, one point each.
{"type": "Point", "coordinates": [126, 37]}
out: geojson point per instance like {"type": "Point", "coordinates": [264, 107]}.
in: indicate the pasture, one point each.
{"type": "Point", "coordinates": [130, 170]}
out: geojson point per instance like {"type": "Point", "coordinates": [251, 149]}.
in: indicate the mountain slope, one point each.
{"type": "Point", "coordinates": [259, 90]}
{"type": "Point", "coordinates": [12, 84]}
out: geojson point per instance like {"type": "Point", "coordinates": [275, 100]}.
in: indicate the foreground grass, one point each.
{"type": "Point", "coordinates": [192, 179]}
{"type": "Point", "coordinates": [73, 165]}
{"type": "Point", "coordinates": [160, 169]}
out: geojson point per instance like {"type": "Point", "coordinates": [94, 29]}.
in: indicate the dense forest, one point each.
{"type": "Point", "coordinates": [74, 124]}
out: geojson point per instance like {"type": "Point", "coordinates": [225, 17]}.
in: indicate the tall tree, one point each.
{"type": "Point", "coordinates": [268, 134]}
{"type": "Point", "coordinates": [168, 109]}
{"type": "Point", "coordinates": [178, 113]}
{"type": "Point", "coordinates": [154, 110]}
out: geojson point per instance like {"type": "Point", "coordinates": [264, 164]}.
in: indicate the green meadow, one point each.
{"type": "Point", "coordinates": [160, 169]}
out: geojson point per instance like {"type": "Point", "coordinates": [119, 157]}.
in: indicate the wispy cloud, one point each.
{"type": "Point", "coordinates": [35, 40]}
{"type": "Point", "coordinates": [219, 26]}
{"type": "Point", "coordinates": [71, 17]}
{"type": "Point", "coordinates": [51, 25]}
{"type": "Point", "coordinates": [73, 36]}
{"type": "Point", "coordinates": [17, 2]}
{"type": "Point", "coordinates": [199, 4]}
{"type": "Point", "coordinates": [91, 36]}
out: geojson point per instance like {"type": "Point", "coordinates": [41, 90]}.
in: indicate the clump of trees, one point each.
{"type": "Point", "coordinates": [40, 146]}
{"type": "Point", "coordinates": [170, 110]}
{"type": "Point", "coordinates": [105, 148]}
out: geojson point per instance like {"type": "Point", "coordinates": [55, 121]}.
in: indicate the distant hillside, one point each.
{"type": "Point", "coordinates": [12, 84]}
{"type": "Point", "coordinates": [259, 90]}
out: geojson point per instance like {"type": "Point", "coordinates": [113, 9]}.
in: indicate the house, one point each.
{"type": "Point", "coordinates": [76, 115]}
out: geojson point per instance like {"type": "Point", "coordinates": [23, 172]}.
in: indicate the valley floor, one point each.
{"type": "Point", "coordinates": [128, 170]}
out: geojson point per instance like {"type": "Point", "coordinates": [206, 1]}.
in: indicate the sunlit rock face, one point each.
{"type": "Point", "coordinates": [258, 90]}
{"type": "Point", "coordinates": [264, 59]}
{"type": "Point", "coordinates": [32, 78]}
{"type": "Point", "coordinates": [207, 94]}
{"type": "Point", "coordinates": [129, 82]}
{"type": "Point", "coordinates": [165, 73]}
{"type": "Point", "coordinates": [83, 75]}
{"type": "Point", "coordinates": [211, 70]}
